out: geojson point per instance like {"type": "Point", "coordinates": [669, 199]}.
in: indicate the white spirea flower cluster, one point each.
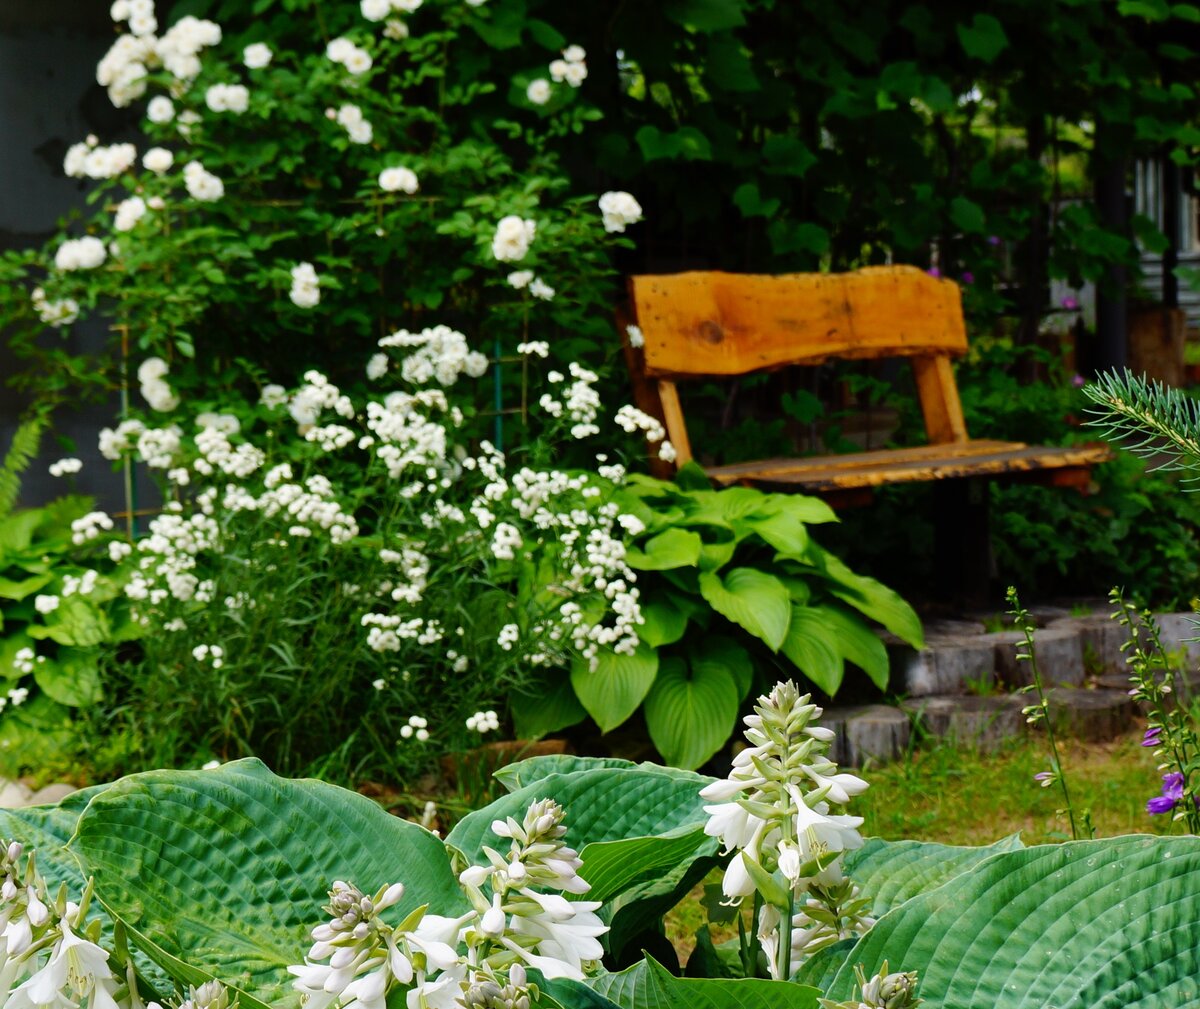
{"type": "Point", "coordinates": [233, 98]}
{"type": "Point", "coordinates": [354, 58]}
{"type": "Point", "coordinates": [257, 55]}
{"type": "Point", "coordinates": [306, 286]}
{"type": "Point", "coordinates": [537, 287]}
{"type": "Point", "coordinates": [84, 253]}
{"type": "Point", "coordinates": [776, 812]}
{"type": "Point", "coordinates": [58, 313]}
{"type": "Point", "coordinates": [124, 68]}
{"type": "Point", "coordinates": [416, 728]}
{"type": "Point", "coordinates": [572, 68]}
{"type": "Point", "coordinates": [129, 212]}
{"type": "Point", "coordinates": [483, 722]}
{"type": "Point", "coordinates": [440, 353]}
{"type": "Point", "coordinates": [513, 237]}
{"type": "Point", "coordinates": [619, 210]}
{"type": "Point", "coordinates": [539, 91]}
{"type": "Point", "coordinates": [90, 527]}
{"type": "Point", "coordinates": [90, 160]}
{"type": "Point", "coordinates": [201, 184]}
{"type": "Point", "coordinates": [158, 160]}
{"type": "Point", "coordinates": [66, 466]}
{"type": "Point", "coordinates": [152, 376]}
{"type": "Point", "coordinates": [398, 180]}
{"type": "Point", "coordinates": [350, 118]}
{"type": "Point", "coordinates": [379, 10]}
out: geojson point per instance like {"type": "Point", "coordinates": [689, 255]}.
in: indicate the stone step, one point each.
{"type": "Point", "coordinates": [1094, 715]}
{"type": "Point", "coordinates": [948, 665]}
{"type": "Point", "coordinates": [982, 723]}
{"type": "Point", "coordinates": [1058, 651]}
{"type": "Point", "coordinates": [878, 733]}
{"type": "Point", "coordinates": [1101, 639]}
{"type": "Point", "coordinates": [1176, 631]}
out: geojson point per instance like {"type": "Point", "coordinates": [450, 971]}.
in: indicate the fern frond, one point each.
{"type": "Point", "coordinates": [1156, 422]}
{"type": "Point", "coordinates": [24, 449]}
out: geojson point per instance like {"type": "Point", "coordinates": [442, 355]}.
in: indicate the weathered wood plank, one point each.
{"type": "Point", "coordinates": [829, 475]}
{"type": "Point", "coordinates": [676, 428]}
{"type": "Point", "coordinates": [707, 323]}
{"type": "Point", "coordinates": [940, 405]}
{"type": "Point", "coordinates": [854, 460]}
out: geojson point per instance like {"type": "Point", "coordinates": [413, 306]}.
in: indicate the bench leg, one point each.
{"type": "Point", "coordinates": [962, 546]}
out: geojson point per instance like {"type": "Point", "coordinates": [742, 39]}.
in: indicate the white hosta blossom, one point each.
{"type": "Point", "coordinates": [619, 210]}
{"type": "Point", "coordinates": [158, 160]}
{"type": "Point", "coordinates": [513, 237]}
{"type": "Point", "coordinates": [350, 118]}
{"type": "Point", "coordinates": [355, 59]}
{"type": "Point", "coordinates": [160, 110]}
{"type": "Point", "coordinates": [233, 98]}
{"type": "Point", "coordinates": [84, 253]}
{"type": "Point", "coordinates": [129, 212]}
{"type": "Point", "coordinates": [539, 91]}
{"type": "Point", "coordinates": [543, 929]}
{"type": "Point", "coordinates": [92, 161]}
{"type": "Point", "coordinates": [257, 55]}
{"type": "Point", "coordinates": [61, 312]}
{"type": "Point", "coordinates": [777, 809]}
{"type": "Point", "coordinates": [306, 286]}
{"type": "Point", "coordinates": [66, 466]}
{"type": "Point", "coordinates": [398, 180]}
{"type": "Point", "coordinates": [439, 353]}
{"type": "Point", "coordinates": [201, 184]}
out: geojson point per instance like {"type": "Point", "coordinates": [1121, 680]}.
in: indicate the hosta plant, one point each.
{"type": "Point", "coordinates": [233, 886]}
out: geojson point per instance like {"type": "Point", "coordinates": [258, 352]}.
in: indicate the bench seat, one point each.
{"type": "Point", "coordinates": [1068, 465]}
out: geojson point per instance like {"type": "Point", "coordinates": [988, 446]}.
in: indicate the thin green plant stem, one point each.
{"type": "Point", "coordinates": [1040, 712]}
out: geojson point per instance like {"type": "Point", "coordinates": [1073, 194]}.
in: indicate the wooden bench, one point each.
{"type": "Point", "coordinates": [711, 325]}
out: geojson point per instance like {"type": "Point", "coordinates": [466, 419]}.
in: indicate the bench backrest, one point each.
{"type": "Point", "coordinates": [707, 324]}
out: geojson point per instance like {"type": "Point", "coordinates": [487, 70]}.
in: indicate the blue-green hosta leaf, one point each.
{"type": "Point", "coordinates": [752, 599]}
{"type": "Point", "coordinates": [45, 830]}
{"type": "Point", "coordinates": [691, 710]}
{"type": "Point", "coordinates": [602, 804]}
{"type": "Point", "coordinates": [611, 866]}
{"type": "Point", "coordinates": [617, 686]}
{"type": "Point", "coordinates": [649, 985]}
{"type": "Point", "coordinates": [890, 872]}
{"type": "Point", "coordinates": [551, 706]}
{"type": "Point", "coordinates": [1083, 925]}
{"type": "Point", "coordinates": [533, 769]}
{"type": "Point", "coordinates": [221, 874]}
{"type": "Point", "coordinates": [856, 641]}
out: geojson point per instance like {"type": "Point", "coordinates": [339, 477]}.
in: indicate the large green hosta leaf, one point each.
{"type": "Point", "coordinates": [1085, 925]}
{"type": "Point", "coordinates": [222, 873]}
{"type": "Point", "coordinates": [649, 985]}
{"type": "Point", "coordinates": [45, 830]}
{"type": "Point", "coordinates": [890, 872]}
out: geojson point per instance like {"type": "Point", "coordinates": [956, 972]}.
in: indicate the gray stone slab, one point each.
{"type": "Point", "coordinates": [1101, 639]}
{"type": "Point", "coordinates": [953, 628]}
{"type": "Point", "coordinates": [1176, 631]}
{"type": "Point", "coordinates": [982, 723]}
{"type": "Point", "coordinates": [13, 794]}
{"type": "Point", "coordinates": [51, 794]}
{"type": "Point", "coordinates": [948, 665]}
{"type": "Point", "coordinates": [878, 733]}
{"type": "Point", "coordinates": [1058, 651]}
{"type": "Point", "coordinates": [1094, 715]}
